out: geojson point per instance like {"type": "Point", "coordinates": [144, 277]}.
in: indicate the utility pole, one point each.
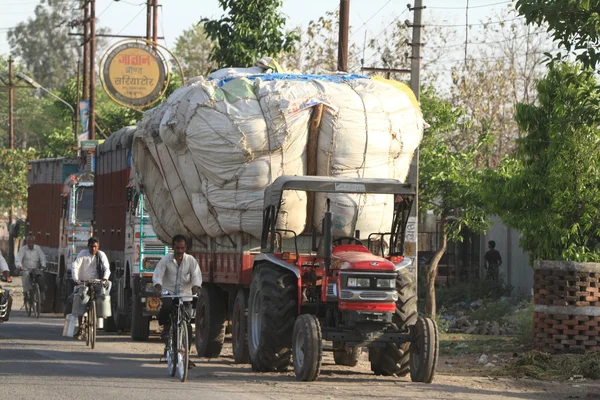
{"type": "Point", "coordinates": [92, 117]}
{"type": "Point", "coordinates": [76, 116]}
{"type": "Point", "coordinates": [412, 228]}
{"type": "Point", "coordinates": [155, 22]}
{"type": "Point", "coordinates": [11, 99]}
{"type": "Point", "coordinates": [343, 35]}
{"type": "Point", "coordinates": [149, 9]}
{"type": "Point", "coordinates": [86, 49]}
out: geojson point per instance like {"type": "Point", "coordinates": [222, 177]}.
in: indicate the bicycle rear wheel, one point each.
{"type": "Point", "coordinates": [27, 304]}
{"type": "Point", "coordinates": [183, 353]}
{"type": "Point", "coordinates": [93, 322]}
{"type": "Point", "coordinates": [36, 300]}
{"type": "Point", "coordinates": [171, 353]}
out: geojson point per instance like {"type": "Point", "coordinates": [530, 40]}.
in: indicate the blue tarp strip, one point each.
{"type": "Point", "coordinates": [298, 77]}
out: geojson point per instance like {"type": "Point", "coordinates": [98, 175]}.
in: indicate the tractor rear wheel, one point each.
{"type": "Point", "coordinates": [394, 359]}
{"type": "Point", "coordinates": [272, 310]}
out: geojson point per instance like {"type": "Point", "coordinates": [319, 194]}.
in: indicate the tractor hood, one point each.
{"type": "Point", "coordinates": [357, 257]}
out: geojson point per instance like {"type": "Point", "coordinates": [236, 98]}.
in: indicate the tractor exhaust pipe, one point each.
{"type": "Point", "coordinates": [327, 237]}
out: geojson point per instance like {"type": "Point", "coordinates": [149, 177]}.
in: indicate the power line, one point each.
{"type": "Point", "coordinates": [478, 24]}
{"type": "Point", "coordinates": [105, 8]}
{"type": "Point", "coordinates": [133, 19]}
{"type": "Point", "coordinates": [488, 43]}
{"type": "Point", "coordinates": [373, 16]}
{"type": "Point", "coordinates": [479, 6]}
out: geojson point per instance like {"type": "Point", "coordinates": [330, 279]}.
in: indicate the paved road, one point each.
{"type": "Point", "coordinates": [36, 362]}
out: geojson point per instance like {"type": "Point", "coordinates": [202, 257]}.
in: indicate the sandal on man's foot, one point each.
{"type": "Point", "coordinates": [79, 334]}
{"type": "Point", "coordinates": [191, 364]}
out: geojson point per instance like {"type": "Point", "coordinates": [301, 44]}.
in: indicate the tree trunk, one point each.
{"type": "Point", "coordinates": [430, 306]}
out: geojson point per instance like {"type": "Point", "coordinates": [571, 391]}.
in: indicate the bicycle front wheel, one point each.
{"type": "Point", "coordinates": [183, 355]}
{"type": "Point", "coordinates": [36, 301]}
{"type": "Point", "coordinates": [171, 352]}
{"type": "Point", "coordinates": [93, 322]}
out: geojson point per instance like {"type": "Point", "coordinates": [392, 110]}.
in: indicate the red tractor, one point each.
{"type": "Point", "coordinates": [340, 291]}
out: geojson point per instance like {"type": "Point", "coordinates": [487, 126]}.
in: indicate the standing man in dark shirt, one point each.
{"type": "Point", "coordinates": [492, 260]}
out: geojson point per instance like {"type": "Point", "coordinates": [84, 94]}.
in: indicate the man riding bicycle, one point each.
{"type": "Point", "coordinates": [5, 297]}
{"type": "Point", "coordinates": [179, 273]}
{"type": "Point", "coordinates": [90, 264]}
{"type": "Point", "coordinates": [29, 258]}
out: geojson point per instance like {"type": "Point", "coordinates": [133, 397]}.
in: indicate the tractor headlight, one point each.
{"type": "Point", "coordinates": [359, 282]}
{"type": "Point", "coordinates": [386, 283]}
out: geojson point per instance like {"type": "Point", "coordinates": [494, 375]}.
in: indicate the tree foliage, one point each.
{"type": "Point", "coordinates": [13, 177]}
{"type": "Point", "coordinates": [192, 49]}
{"type": "Point", "coordinates": [575, 25]}
{"type": "Point", "coordinates": [44, 45]}
{"type": "Point", "coordinates": [251, 29]}
{"type": "Point", "coordinates": [549, 190]}
{"type": "Point", "coordinates": [450, 182]}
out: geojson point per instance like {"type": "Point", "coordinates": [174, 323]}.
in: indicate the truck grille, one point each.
{"type": "Point", "coordinates": [373, 295]}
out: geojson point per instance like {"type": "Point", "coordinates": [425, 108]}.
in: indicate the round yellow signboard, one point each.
{"type": "Point", "coordinates": [134, 74]}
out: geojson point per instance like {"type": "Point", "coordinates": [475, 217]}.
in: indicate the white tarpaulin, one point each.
{"type": "Point", "coordinates": [205, 156]}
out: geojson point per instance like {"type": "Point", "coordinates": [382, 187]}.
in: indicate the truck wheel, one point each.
{"type": "Point", "coordinates": [272, 310]}
{"type": "Point", "coordinates": [210, 322]}
{"type": "Point", "coordinates": [140, 325]}
{"type": "Point", "coordinates": [394, 359]}
{"type": "Point", "coordinates": [122, 318]}
{"type": "Point", "coordinates": [307, 348]}
{"type": "Point", "coordinates": [48, 290]}
{"type": "Point", "coordinates": [239, 337]}
{"type": "Point", "coordinates": [345, 355]}
{"type": "Point", "coordinates": [424, 351]}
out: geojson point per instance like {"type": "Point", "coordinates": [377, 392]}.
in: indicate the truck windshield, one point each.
{"type": "Point", "coordinates": [85, 204]}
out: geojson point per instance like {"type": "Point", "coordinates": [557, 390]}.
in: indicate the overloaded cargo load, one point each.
{"type": "Point", "coordinates": [205, 156]}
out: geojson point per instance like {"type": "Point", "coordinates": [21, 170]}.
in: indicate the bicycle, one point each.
{"type": "Point", "coordinates": [177, 348]}
{"type": "Point", "coordinates": [33, 303]}
{"type": "Point", "coordinates": [90, 319]}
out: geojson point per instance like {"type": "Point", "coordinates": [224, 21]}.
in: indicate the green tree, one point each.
{"type": "Point", "coordinates": [251, 29]}
{"type": "Point", "coordinates": [192, 49]}
{"type": "Point", "coordinates": [44, 45]}
{"type": "Point", "coordinates": [13, 177]}
{"type": "Point", "coordinates": [450, 183]}
{"type": "Point", "coordinates": [575, 25]}
{"type": "Point", "coordinates": [549, 190]}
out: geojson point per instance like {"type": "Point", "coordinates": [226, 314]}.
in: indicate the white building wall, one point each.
{"type": "Point", "coordinates": [515, 266]}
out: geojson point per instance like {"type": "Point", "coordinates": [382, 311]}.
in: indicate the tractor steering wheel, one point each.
{"type": "Point", "coordinates": [349, 239]}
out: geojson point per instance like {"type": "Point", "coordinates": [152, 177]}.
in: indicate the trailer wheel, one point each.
{"type": "Point", "coordinates": [140, 325]}
{"type": "Point", "coordinates": [307, 345]}
{"type": "Point", "coordinates": [210, 322]}
{"type": "Point", "coordinates": [424, 351]}
{"type": "Point", "coordinates": [272, 310]}
{"type": "Point", "coordinates": [239, 337]}
{"type": "Point", "coordinates": [345, 355]}
{"type": "Point", "coordinates": [394, 359]}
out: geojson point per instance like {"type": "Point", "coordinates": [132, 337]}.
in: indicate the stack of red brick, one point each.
{"type": "Point", "coordinates": [565, 319]}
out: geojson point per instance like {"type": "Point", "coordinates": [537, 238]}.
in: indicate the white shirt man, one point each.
{"type": "Point", "coordinates": [85, 266]}
{"type": "Point", "coordinates": [178, 273]}
{"type": "Point", "coordinates": [29, 258]}
{"type": "Point", "coordinates": [178, 278]}
{"type": "Point", "coordinates": [4, 271]}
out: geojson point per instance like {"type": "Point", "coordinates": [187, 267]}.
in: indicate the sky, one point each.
{"type": "Point", "coordinates": [128, 17]}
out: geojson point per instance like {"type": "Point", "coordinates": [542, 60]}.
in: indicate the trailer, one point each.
{"type": "Point", "coordinates": [123, 227]}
